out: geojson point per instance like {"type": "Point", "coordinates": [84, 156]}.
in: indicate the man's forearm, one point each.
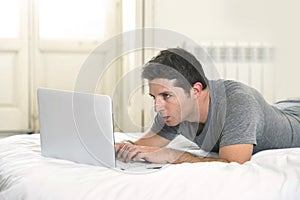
{"type": "Point", "coordinates": [152, 140]}
{"type": "Point", "coordinates": [182, 157]}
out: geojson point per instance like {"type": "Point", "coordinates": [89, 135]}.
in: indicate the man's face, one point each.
{"type": "Point", "coordinates": [170, 102]}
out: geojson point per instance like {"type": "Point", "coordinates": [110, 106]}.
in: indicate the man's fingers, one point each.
{"type": "Point", "coordinates": [122, 150]}
{"type": "Point", "coordinates": [126, 152]}
{"type": "Point", "coordinates": [139, 156]}
{"type": "Point", "coordinates": [131, 154]}
{"type": "Point", "coordinates": [118, 146]}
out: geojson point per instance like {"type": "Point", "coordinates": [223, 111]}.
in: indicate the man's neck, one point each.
{"type": "Point", "coordinates": [201, 108]}
{"type": "Point", "coordinates": [203, 104]}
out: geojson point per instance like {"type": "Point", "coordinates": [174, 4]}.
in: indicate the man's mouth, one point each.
{"type": "Point", "coordinates": [166, 118]}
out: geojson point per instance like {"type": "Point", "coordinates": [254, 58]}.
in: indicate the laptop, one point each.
{"type": "Point", "coordinates": [78, 127]}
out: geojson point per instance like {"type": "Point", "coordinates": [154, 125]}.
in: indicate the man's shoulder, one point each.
{"type": "Point", "coordinates": [227, 84]}
{"type": "Point", "coordinates": [227, 88]}
{"type": "Point", "coordinates": [235, 86]}
{"type": "Point", "coordinates": [232, 87]}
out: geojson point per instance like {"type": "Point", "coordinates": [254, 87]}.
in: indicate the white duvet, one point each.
{"type": "Point", "coordinates": [26, 175]}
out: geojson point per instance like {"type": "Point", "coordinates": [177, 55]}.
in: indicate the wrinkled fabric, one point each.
{"type": "Point", "coordinates": [25, 174]}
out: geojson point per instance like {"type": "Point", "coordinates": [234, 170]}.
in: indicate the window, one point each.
{"type": "Point", "coordinates": [70, 19]}
{"type": "Point", "coordinates": [9, 18]}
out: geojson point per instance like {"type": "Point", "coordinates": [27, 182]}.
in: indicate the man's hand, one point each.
{"type": "Point", "coordinates": [144, 148]}
{"type": "Point", "coordinates": [130, 152]}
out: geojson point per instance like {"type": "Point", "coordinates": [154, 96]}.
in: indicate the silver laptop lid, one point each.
{"type": "Point", "coordinates": [76, 126]}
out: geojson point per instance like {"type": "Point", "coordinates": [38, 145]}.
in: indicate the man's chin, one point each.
{"type": "Point", "coordinates": [170, 123]}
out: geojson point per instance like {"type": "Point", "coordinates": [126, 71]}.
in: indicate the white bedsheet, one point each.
{"type": "Point", "coordinates": [25, 174]}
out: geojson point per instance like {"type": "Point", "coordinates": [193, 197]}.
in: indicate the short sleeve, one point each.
{"type": "Point", "coordinates": [243, 120]}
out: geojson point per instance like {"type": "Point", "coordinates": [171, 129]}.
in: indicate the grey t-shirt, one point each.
{"type": "Point", "coordinates": [238, 114]}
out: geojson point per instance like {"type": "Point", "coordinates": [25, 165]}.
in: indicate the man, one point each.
{"type": "Point", "coordinates": [218, 115]}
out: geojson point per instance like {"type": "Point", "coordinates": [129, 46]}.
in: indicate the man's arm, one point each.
{"type": "Point", "coordinates": [152, 139]}
{"type": "Point", "coordinates": [239, 153]}
{"type": "Point", "coordinates": [172, 156]}
{"type": "Point", "coordinates": [150, 148]}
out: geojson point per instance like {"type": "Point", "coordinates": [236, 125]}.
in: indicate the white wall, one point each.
{"type": "Point", "coordinates": [272, 22]}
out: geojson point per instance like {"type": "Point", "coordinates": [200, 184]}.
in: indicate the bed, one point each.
{"type": "Point", "coordinates": [26, 175]}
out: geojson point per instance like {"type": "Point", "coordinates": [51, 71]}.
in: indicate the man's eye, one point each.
{"type": "Point", "coordinates": [166, 96]}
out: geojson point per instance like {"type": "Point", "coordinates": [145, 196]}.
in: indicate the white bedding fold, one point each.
{"type": "Point", "coordinates": [25, 174]}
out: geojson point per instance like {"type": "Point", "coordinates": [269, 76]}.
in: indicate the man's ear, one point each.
{"type": "Point", "coordinates": [196, 89]}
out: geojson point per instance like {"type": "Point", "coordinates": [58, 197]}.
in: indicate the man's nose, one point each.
{"type": "Point", "coordinates": [158, 106]}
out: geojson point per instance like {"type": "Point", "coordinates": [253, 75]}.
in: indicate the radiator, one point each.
{"type": "Point", "coordinates": [249, 63]}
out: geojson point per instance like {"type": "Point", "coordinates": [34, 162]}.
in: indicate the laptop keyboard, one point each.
{"type": "Point", "coordinates": [140, 165]}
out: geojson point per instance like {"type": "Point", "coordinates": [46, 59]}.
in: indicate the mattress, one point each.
{"type": "Point", "coordinates": [25, 174]}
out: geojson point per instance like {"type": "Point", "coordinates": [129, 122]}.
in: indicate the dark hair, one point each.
{"type": "Point", "coordinates": [178, 64]}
